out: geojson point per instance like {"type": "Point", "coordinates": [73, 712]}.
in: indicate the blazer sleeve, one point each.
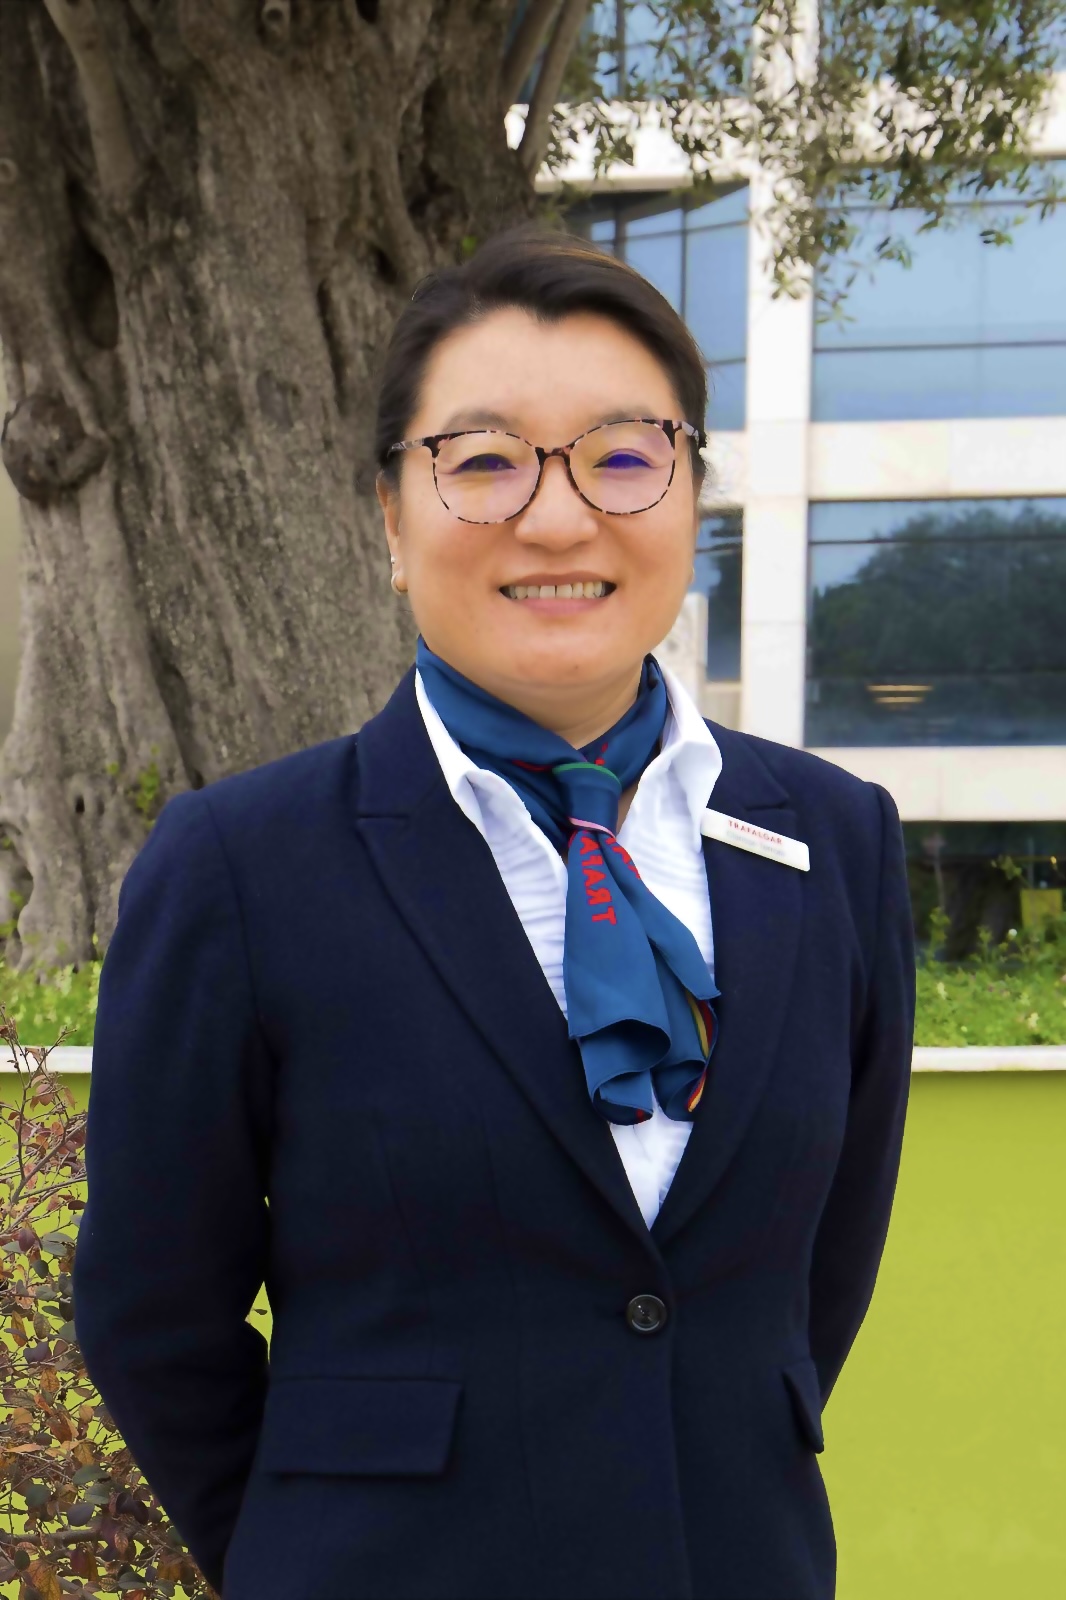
{"type": "Point", "coordinates": [854, 1223]}
{"type": "Point", "coordinates": [172, 1246]}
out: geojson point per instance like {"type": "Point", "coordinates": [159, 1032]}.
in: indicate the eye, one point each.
{"type": "Point", "coordinates": [622, 460]}
{"type": "Point", "coordinates": [484, 463]}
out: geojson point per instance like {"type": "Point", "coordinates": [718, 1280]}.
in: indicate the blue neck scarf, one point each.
{"type": "Point", "coordinates": [637, 988]}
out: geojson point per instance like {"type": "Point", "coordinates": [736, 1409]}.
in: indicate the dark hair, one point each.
{"type": "Point", "coordinates": [550, 274]}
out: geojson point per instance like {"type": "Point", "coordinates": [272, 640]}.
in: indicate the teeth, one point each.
{"type": "Point", "coordinates": [556, 591]}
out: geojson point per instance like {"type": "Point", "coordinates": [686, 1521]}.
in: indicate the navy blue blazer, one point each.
{"type": "Point", "coordinates": [326, 1058]}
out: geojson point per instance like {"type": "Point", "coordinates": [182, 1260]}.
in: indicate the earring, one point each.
{"type": "Point", "coordinates": [692, 576]}
{"type": "Point", "coordinates": [395, 586]}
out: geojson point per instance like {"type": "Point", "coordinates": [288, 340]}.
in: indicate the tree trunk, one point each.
{"type": "Point", "coordinates": [210, 215]}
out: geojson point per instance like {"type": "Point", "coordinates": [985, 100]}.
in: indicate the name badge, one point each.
{"type": "Point", "coordinates": [760, 841]}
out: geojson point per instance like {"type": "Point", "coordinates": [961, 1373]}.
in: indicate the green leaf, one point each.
{"type": "Point", "coordinates": [56, 1243]}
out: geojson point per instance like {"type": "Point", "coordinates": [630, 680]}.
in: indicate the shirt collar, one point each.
{"type": "Point", "coordinates": [690, 755]}
{"type": "Point", "coordinates": [690, 752]}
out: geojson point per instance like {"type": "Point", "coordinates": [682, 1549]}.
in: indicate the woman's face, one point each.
{"type": "Point", "coordinates": [548, 382]}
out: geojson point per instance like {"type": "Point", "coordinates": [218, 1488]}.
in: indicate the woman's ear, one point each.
{"type": "Point", "coordinates": [385, 493]}
{"type": "Point", "coordinates": [389, 500]}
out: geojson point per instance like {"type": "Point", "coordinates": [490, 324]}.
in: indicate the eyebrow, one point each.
{"type": "Point", "coordinates": [478, 418]}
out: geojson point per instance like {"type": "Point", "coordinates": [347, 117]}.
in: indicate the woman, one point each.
{"type": "Point", "coordinates": [568, 1214]}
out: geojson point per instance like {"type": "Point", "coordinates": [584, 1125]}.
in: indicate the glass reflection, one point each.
{"type": "Point", "coordinates": [719, 575]}
{"type": "Point", "coordinates": [727, 391]}
{"type": "Point", "coordinates": [967, 330]}
{"type": "Point", "coordinates": [716, 291]}
{"type": "Point", "coordinates": [940, 623]}
{"type": "Point", "coordinates": [654, 220]}
{"type": "Point", "coordinates": [921, 385]}
{"type": "Point", "coordinates": [659, 260]}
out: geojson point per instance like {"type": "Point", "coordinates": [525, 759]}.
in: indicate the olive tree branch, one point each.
{"type": "Point", "coordinates": [522, 53]}
{"type": "Point", "coordinates": [118, 168]}
{"type": "Point", "coordinates": [564, 34]}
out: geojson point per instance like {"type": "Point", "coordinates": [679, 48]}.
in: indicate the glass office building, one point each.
{"type": "Point", "coordinates": [881, 567]}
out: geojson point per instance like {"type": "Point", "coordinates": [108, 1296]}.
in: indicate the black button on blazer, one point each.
{"type": "Point", "coordinates": [326, 1058]}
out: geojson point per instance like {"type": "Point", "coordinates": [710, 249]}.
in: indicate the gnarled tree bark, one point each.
{"type": "Point", "coordinates": [211, 212]}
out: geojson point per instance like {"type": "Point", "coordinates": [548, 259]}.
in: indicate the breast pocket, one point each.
{"type": "Point", "coordinates": [801, 1378]}
{"type": "Point", "coordinates": [381, 1427]}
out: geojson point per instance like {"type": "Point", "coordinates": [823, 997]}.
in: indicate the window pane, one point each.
{"type": "Point", "coordinates": [716, 291]}
{"type": "Point", "coordinates": [957, 290]}
{"type": "Point", "coordinates": [967, 330]}
{"type": "Point", "coordinates": [940, 632]}
{"type": "Point", "coordinates": [602, 20]}
{"type": "Point", "coordinates": [639, 22]}
{"type": "Point", "coordinates": [664, 218]}
{"type": "Point", "coordinates": [934, 300]}
{"type": "Point", "coordinates": [852, 521]}
{"type": "Point", "coordinates": [659, 259]}
{"type": "Point", "coordinates": [642, 28]}
{"type": "Point", "coordinates": [726, 384]}
{"type": "Point", "coordinates": [1022, 282]}
{"type": "Point", "coordinates": [717, 526]}
{"type": "Point", "coordinates": [1023, 709]}
{"type": "Point", "coordinates": [719, 563]}
{"type": "Point", "coordinates": [887, 611]}
{"type": "Point", "coordinates": [731, 207]}
{"type": "Point", "coordinates": [896, 385]}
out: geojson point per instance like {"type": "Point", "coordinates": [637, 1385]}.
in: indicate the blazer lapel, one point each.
{"type": "Point", "coordinates": [756, 911]}
{"type": "Point", "coordinates": [441, 875]}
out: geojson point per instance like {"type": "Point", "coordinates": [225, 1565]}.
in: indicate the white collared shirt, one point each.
{"type": "Point", "coordinates": [661, 831]}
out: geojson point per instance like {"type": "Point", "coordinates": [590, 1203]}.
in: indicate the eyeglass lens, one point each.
{"type": "Point", "coordinates": [489, 477]}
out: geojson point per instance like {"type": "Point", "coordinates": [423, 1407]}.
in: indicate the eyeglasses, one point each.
{"type": "Point", "coordinates": [487, 475]}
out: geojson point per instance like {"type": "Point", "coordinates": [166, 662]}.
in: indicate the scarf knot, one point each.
{"type": "Point", "coordinates": [638, 992]}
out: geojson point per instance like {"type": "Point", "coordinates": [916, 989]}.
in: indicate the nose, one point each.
{"type": "Point", "coordinates": [556, 516]}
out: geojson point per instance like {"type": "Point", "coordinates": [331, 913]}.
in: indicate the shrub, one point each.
{"type": "Point", "coordinates": [91, 1525]}
{"type": "Point", "coordinates": [1011, 993]}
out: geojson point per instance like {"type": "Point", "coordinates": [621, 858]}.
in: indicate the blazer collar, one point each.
{"type": "Point", "coordinates": [442, 877]}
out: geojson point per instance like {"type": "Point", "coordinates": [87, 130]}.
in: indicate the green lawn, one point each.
{"type": "Point", "coordinates": [945, 1450]}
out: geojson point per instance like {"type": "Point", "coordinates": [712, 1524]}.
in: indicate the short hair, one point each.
{"type": "Point", "coordinates": [550, 274]}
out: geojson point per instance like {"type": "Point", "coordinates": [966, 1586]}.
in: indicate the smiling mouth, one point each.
{"type": "Point", "coordinates": [598, 590]}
